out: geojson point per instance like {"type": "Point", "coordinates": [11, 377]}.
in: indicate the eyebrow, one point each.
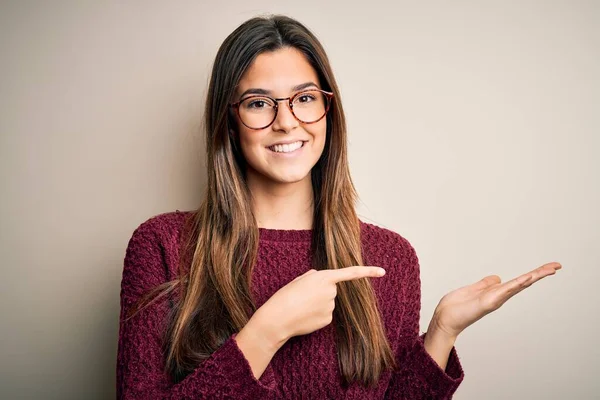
{"type": "Point", "coordinates": [268, 92]}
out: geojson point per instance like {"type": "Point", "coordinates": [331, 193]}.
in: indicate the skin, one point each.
{"type": "Point", "coordinates": [464, 306]}
{"type": "Point", "coordinates": [282, 199]}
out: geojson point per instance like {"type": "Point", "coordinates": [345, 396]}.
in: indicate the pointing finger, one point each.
{"type": "Point", "coordinates": [354, 272]}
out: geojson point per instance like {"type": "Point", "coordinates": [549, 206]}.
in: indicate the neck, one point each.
{"type": "Point", "coordinates": [281, 205]}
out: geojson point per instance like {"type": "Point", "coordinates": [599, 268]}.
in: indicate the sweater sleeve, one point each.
{"type": "Point", "coordinates": [419, 376]}
{"type": "Point", "coordinates": [226, 374]}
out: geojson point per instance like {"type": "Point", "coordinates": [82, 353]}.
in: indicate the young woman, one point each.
{"type": "Point", "coordinates": [273, 288]}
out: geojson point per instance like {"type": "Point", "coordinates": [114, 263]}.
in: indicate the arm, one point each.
{"type": "Point", "coordinates": [423, 372]}
{"type": "Point", "coordinates": [438, 346]}
{"type": "Point", "coordinates": [227, 373]}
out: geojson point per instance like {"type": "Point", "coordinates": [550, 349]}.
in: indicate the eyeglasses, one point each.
{"type": "Point", "coordinates": [259, 111]}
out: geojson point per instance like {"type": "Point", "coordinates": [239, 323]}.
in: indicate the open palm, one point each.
{"type": "Point", "coordinates": [466, 305]}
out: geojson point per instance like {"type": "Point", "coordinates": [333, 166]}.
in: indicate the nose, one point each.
{"type": "Point", "coordinates": [284, 120]}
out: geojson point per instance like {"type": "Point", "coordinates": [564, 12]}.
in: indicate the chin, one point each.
{"type": "Point", "coordinates": [289, 177]}
{"type": "Point", "coordinates": [287, 174]}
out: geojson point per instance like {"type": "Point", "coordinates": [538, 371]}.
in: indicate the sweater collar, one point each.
{"type": "Point", "coordinates": [285, 235]}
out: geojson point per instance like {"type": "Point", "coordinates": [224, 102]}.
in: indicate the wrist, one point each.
{"type": "Point", "coordinates": [438, 345]}
{"type": "Point", "coordinates": [439, 336]}
{"type": "Point", "coordinates": [266, 332]}
{"type": "Point", "coordinates": [441, 330]}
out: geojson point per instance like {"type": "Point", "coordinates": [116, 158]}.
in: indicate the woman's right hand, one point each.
{"type": "Point", "coordinates": [306, 304]}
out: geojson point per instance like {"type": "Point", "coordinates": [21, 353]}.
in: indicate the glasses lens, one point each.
{"type": "Point", "coordinates": [257, 112]}
{"type": "Point", "coordinates": [310, 106]}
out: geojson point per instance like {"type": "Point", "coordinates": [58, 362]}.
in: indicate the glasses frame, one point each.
{"type": "Point", "coordinates": [328, 95]}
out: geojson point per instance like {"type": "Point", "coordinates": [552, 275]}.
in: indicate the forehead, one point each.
{"type": "Point", "coordinates": [278, 71]}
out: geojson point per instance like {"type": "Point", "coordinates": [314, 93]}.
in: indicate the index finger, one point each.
{"type": "Point", "coordinates": [354, 272]}
{"type": "Point", "coordinates": [516, 285]}
{"type": "Point", "coordinates": [534, 275]}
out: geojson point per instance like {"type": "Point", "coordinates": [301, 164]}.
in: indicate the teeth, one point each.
{"type": "Point", "coordinates": [286, 148]}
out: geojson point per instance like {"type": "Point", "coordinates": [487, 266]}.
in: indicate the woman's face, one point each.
{"type": "Point", "coordinates": [277, 73]}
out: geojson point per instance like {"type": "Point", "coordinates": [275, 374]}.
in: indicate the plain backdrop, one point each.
{"type": "Point", "coordinates": [473, 132]}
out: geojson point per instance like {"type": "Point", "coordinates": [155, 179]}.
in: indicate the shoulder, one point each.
{"type": "Point", "coordinates": [162, 230]}
{"type": "Point", "coordinates": [379, 240]}
{"type": "Point", "coordinates": [163, 225]}
{"type": "Point", "coordinates": [153, 250]}
{"type": "Point", "coordinates": [388, 249]}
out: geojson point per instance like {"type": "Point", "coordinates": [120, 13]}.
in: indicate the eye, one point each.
{"type": "Point", "coordinates": [259, 103]}
{"type": "Point", "coordinates": [305, 98]}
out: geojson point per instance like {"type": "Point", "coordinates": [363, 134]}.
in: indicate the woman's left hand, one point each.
{"type": "Point", "coordinates": [466, 305]}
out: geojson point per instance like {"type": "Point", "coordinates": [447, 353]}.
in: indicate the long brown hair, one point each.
{"type": "Point", "coordinates": [214, 297]}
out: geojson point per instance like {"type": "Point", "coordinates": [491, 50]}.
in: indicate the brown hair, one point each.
{"type": "Point", "coordinates": [215, 299]}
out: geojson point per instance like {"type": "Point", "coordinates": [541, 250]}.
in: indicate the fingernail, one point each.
{"type": "Point", "coordinates": [381, 272]}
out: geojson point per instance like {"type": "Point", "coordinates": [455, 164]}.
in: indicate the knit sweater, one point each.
{"type": "Point", "coordinates": [306, 366]}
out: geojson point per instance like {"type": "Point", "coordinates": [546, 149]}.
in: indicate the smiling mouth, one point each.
{"type": "Point", "coordinates": [287, 148]}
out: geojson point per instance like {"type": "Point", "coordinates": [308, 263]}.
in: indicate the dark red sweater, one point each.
{"type": "Point", "coordinates": [306, 367]}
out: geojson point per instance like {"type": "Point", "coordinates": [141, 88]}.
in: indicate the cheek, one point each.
{"type": "Point", "coordinates": [250, 144]}
{"type": "Point", "coordinates": [246, 146]}
{"type": "Point", "coordinates": [319, 134]}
